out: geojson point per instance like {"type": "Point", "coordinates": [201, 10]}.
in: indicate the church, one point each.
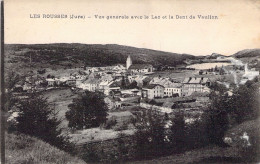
{"type": "Point", "coordinates": [137, 68]}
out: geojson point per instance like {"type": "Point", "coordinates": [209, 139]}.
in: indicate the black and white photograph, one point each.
{"type": "Point", "coordinates": [170, 82]}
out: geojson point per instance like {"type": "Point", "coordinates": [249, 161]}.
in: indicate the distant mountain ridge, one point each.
{"type": "Point", "coordinates": [240, 54]}
{"type": "Point", "coordinates": [91, 55]}
{"type": "Point", "coordinates": [214, 56]}
{"type": "Point", "coordinates": [68, 55]}
{"type": "Point", "coordinates": [247, 53]}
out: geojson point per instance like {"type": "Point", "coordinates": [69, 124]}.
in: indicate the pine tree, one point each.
{"type": "Point", "coordinates": [37, 118]}
{"type": "Point", "coordinates": [150, 135]}
{"type": "Point", "coordinates": [217, 117]}
{"type": "Point", "coordinates": [177, 136]}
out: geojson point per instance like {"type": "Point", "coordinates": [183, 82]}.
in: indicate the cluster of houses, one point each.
{"type": "Point", "coordinates": [122, 84]}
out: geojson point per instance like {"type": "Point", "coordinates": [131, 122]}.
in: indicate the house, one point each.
{"type": "Point", "coordinates": [51, 82]}
{"type": "Point", "coordinates": [27, 86]}
{"type": "Point", "coordinates": [112, 103]}
{"type": "Point", "coordinates": [39, 80]}
{"type": "Point", "coordinates": [78, 75]}
{"type": "Point", "coordinates": [140, 68]}
{"type": "Point", "coordinates": [106, 77]}
{"type": "Point", "coordinates": [137, 78]}
{"type": "Point", "coordinates": [160, 80]}
{"type": "Point", "coordinates": [131, 78]}
{"type": "Point", "coordinates": [152, 91]}
{"type": "Point", "coordinates": [118, 67]}
{"type": "Point", "coordinates": [104, 84]}
{"type": "Point", "coordinates": [71, 82]}
{"type": "Point", "coordinates": [112, 86]}
{"type": "Point", "coordinates": [131, 92]}
{"type": "Point", "coordinates": [90, 85]}
{"type": "Point", "coordinates": [171, 89]}
{"type": "Point", "coordinates": [144, 81]}
{"type": "Point", "coordinates": [195, 84]}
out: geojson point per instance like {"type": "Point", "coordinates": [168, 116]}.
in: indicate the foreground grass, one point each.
{"type": "Point", "coordinates": [22, 149]}
{"type": "Point", "coordinates": [209, 154]}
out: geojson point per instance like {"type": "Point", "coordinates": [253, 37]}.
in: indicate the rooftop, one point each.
{"type": "Point", "coordinates": [151, 86]}
{"type": "Point", "coordinates": [140, 66]}
{"type": "Point", "coordinates": [196, 80]}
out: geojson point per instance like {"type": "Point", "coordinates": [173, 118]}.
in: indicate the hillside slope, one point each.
{"type": "Point", "coordinates": [247, 53]}
{"type": "Point", "coordinates": [24, 149]}
{"type": "Point", "coordinates": [91, 55]}
{"type": "Point", "coordinates": [209, 154]}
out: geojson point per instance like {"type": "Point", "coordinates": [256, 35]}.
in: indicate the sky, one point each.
{"type": "Point", "coordinates": [237, 26]}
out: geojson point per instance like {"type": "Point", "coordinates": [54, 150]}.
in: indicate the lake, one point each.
{"type": "Point", "coordinates": [208, 65]}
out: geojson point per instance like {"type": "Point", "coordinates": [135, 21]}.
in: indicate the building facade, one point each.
{"type": "Point", "coordinates": [195, 84]}
{"type": "Point", "coordinates": [152, 91]}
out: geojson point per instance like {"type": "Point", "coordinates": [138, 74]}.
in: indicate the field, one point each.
{"type": "Point", "coordinates": [61, 98]}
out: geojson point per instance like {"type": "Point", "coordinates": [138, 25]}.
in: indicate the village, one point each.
{"type": "Point", "coordinates": [122, 85]}
{"type": "Point", "coordinates": [132, 100]}
{"type": "Point", "coordinates": [135, 85]}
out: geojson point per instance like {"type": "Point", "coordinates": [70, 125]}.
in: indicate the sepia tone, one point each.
{"type": "Point", "coordinates": [131, 81]}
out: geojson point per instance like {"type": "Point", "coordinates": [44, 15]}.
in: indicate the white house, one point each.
{"type": "Point", "coordinates": [140, 68]}
{"type": "Point", "coordinates": [51, 82]}
{"type": "Point", "coordinates": [152, 91]}
{"type": "Point", "coordinates": [172, 88]}
{"type": "Point", "coordinates": [90, 85]}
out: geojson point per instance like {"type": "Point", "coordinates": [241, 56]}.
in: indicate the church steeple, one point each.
{"type": "Point", "coordinates": [128, 62]}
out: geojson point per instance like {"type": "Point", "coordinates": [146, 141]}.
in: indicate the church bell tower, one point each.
{"type": "Point", "coordinates": [128, 62]}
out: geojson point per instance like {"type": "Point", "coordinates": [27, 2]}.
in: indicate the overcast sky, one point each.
{"type": "Point", "coordinates": [237, 26]}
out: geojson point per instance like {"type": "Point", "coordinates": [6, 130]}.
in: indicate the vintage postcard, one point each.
{"type": "Point", "coordinates": [131, 81]}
